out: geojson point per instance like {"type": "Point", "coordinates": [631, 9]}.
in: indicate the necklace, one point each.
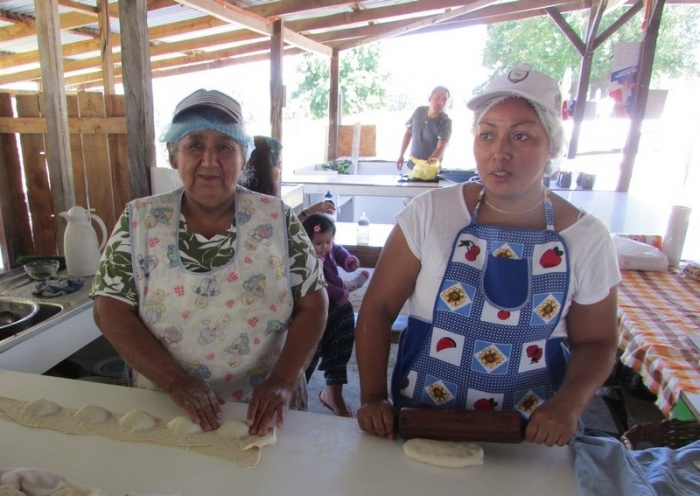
{"type": "Point", "coordinates": [514, 212]}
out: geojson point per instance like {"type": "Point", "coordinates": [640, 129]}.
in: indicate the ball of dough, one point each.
{"type": "Point", "coordinates": [444, 453]}
{"type": "Point", "coordinates": [92, 414]}
{"type": "Point", "coordinates": [41, 408]}
{"type": "Point", "coordinates": [183, 426]}
{"type": "Point", "coordinates": [137, 421]}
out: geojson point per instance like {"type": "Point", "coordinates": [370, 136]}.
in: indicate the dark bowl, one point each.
{"type": "Point", "coordinates": [16, 315]}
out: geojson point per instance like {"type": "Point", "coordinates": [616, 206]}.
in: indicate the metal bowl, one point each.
{"type": "Point", "coordinates": [16, 314]}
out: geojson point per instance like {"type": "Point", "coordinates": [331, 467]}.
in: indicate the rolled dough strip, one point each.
{"type": "Point", "coordinates": [230, 442]}
{"type": "Point", "coordinates": [454, 454]}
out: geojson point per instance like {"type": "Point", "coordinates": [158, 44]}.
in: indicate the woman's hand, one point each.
{"type": "Point", "coordinates": [552, 423]}
{"type": "Point", "coordinates": [323, 207]}
{"type": "Point", "coordinates": [193, 395]}
{"type": "Point", "coordinates": [377, 417]}
{"type": "Point", "coordinates": [270, 398]}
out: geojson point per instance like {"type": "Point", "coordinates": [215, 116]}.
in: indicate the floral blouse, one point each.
{"type": "Point", "coordinates": [115, 276]}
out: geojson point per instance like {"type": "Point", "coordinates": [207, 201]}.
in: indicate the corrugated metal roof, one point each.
{"type": "Point", "coordinates": [176, 31]}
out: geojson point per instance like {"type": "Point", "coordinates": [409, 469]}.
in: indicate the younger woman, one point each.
{"type": "Point", "coordinates": [336, 345]}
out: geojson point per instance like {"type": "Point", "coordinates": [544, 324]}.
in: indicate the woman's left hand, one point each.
{"type": "Point", "coordinates": [552, 424]}
{"type": "Point", "coordinates": [270, 398]}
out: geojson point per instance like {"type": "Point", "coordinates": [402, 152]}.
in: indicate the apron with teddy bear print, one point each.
{"type": "Point", "coordinates": [225, 326]}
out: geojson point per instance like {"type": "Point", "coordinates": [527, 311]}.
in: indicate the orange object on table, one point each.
{"type": "Point", "coordinates": [659, 313]}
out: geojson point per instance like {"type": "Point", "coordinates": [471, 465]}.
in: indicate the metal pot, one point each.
{"type": "Point", "coordinates": [16, 314]}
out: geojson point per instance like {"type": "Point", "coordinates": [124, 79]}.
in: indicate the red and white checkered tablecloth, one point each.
{"type": "Point", "coordinates": [658, 311]}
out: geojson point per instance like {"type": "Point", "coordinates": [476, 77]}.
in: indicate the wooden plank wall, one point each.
{"type": "Point", "coordinates": [97, 123]}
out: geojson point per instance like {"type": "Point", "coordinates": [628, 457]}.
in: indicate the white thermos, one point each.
{"type": "Point", "coordinates": [675, 234]}
{"type": "Point", "coordinates": [80, 244]}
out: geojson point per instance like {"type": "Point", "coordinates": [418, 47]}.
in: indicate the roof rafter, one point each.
{"type": "Point", "coordinates": [254, 22]}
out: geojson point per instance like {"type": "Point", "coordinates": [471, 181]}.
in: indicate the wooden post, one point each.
{"type": "Point", "coordinates": [276, 83]}
{"type": "Point", "coordinates": [585, 75]}
{"type": "Point", "coordinates": [58, 154]}
{"type": "Point", "coordinates": [641, 92]}
{"type": "Point", "coordinates": [138, 92]}
{"type": "Point", "coordinates": [334, 107]}
{"type": "Point", "coordinates": [106, 47]}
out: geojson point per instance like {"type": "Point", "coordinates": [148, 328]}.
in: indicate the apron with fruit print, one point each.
{"type": "Point", "coordinates": [489, 346]}
{"type": "Point", "coordinates": [227, 325]}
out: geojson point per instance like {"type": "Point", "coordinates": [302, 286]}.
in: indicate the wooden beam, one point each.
{"type": "Point", "coordinates": [58, 153]}
{"type": "Point", "coordinates": [472, 6]}
{"type": "Point", "coordinates": [380, 15]}
{"type": "Point", "coordinates": [276, 81]}
{"type": "Point", "coordinates": [567, 30]}
{"type": "Point", "coordinates": [305, 43]}
{"type": "Point", "coordinates": [334, 109]}
{"type": "Point", "coordinates": [76, 125]}
{"type": "Point", "coordinates": [641, 93]}
{"type": "Point", "coordinates": [106, 47]}
{"type": "Point", "coordinates": [78, 7]}
{"type": "Point", "coordinates": [229, 12]}
{"type": "Point", "coordinates": [204, 60]}
{"type": "Point", "coordinates": [595, 14]}
{"type": "Point", "coordinates": [289, 7]}
{"type": "Point", "coordinates": [160, 49]}
{"type": "Point", "coordinates": [67, 21]}
{"type": "Point", "coordinates": [138, 94]}
{"type": "Point", "coordinates": [622, 20]}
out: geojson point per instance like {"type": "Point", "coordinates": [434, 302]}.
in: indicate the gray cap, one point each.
{"type": "Point", "coordinates": [213, 99]}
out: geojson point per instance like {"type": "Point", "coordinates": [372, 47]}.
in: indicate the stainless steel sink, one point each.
{"type": "Point", "coordinates": [44, 312]}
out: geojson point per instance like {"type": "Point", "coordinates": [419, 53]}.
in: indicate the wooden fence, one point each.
{"type": "Point", "coordinates": [97, 126]}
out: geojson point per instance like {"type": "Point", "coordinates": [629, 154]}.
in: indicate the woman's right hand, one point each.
{"type": "Point", "coordinates": [323, 207]}
{"type": "Point", "coordinates": [377, 417]}
{"type": "Point", "coordinates": [193, 395]}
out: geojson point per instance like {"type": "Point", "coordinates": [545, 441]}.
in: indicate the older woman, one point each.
{"type": "Point", "coordinates": [212, 293]}
{"type": "Point", "coordinates": [511, 289]}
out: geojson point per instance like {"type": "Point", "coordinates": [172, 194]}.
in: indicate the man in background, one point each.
{"type": "Point", "coordinates": [428, 130]}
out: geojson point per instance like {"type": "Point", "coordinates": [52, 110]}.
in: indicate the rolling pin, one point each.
{"type": "Point", "coordinates": [463, 425]}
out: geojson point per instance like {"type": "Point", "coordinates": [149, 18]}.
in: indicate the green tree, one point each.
{"type": "Point", "coordinates": [539, 40]}
{"type": "Point", "coordinates": [362, 86]}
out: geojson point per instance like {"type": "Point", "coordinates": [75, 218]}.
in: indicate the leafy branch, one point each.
{"type": "Point", "coordinates": [341, 166]}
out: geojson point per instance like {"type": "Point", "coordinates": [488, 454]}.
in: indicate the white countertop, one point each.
{"type": "Point", "coordinates": [315, 454]}
{"type": "Point", "coordinates": [620, 212]}
{"type": "Point", "coordinates": [363, 185]}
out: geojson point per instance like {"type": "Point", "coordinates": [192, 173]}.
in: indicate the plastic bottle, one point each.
{"type": "Point", "coordinates": [328, 197]}
{"type": "Point", "coordinates": [363, 230]}
{"type": "Point", "coordinates": [676, 230]}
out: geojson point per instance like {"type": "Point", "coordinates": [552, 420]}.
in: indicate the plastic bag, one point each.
{"type": "Point", "coordinates": [633, 255]}
{"type": "Point", "coordinates": [423, 170]}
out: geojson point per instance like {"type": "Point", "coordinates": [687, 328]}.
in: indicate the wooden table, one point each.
{"type": "Point", "coordinates": [315, 454]}
{"type": "Point", "coordinates": [658, 311]}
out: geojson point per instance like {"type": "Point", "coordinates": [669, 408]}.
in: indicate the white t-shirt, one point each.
{"type": "Point", "coordinates": [432, 220]}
